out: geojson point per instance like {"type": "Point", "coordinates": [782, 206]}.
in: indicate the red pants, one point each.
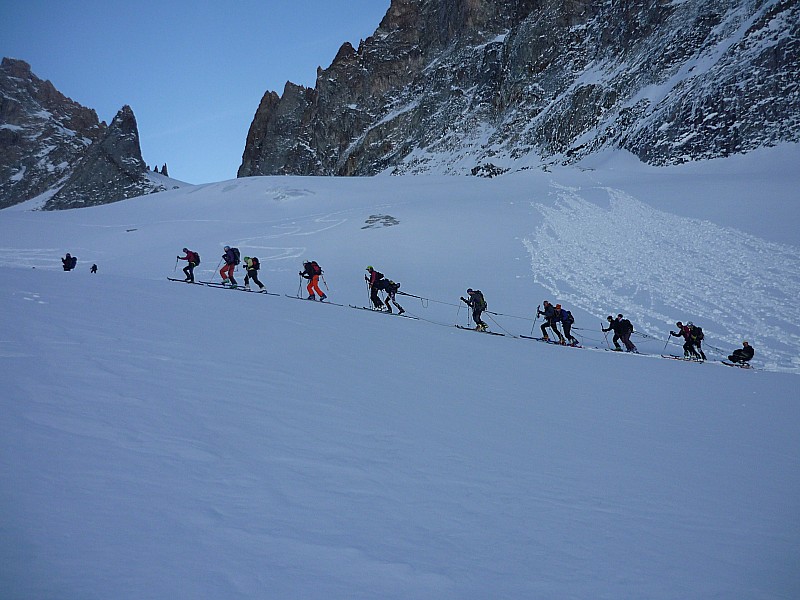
{"type": "Point", "coordinates": [313, 286]}
{"type": "Point", "coordinates": [227, 271]}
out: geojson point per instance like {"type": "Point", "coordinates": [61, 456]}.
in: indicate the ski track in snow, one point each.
{"type": "Point", "coordinates": [734, 285]}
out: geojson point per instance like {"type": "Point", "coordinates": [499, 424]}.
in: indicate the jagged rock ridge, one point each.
{"type": "Point", "coordinates": [458, 86]}
{"type": "Point", "coordinates": [51, 144]}
{"type": "Point", "coordinates": [43, 134]}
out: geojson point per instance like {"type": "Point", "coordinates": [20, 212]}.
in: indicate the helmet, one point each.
{"type": "Point", "coordinates": [679, 324]}
{"type": "Point", "coordinates": [609, 318]}
{"type": "Point", "coordinates": [227, 248]}
{"type": "Point", "coordinates": [619, 316]}
{"type": "Point", "coordinates": [247, 258]}
{"type": "Point", "coordinates": [369, 268]}
{"type": "Point", "coordinates": [469, 290]}
{"type": "Point", "coordinates": [185, 249]}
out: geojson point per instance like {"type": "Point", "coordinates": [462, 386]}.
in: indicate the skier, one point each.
{"type": "Point", "coordinates": [697, 338]}
{"type": "Point", "coordinates": [192, 259]}
{"type": "Point", "coordinates": [623, 329]}
{"type": "Point", "coordinates": [252, 265]}
{"type": "Point", "coordinates": [93, 269]}
{"type": "Point", "coordinates": [685, 332]}
{"type": "Point", "coordinates": [550, 320]}
{"type": "Point", "coordinates": [376, 282]}
{"type": "Point", "coordinates": [69, 262]}
{"type": "Point", "coordinates": [478, 304]}
{"type": "Point", "coordinates": [312, 271]}
{"type": "Point", "coordinates": [231, 258]}
{"type": "Point", "coordinates": [566, 319]}
{"type": "Point", "coordinates": [742, 355]}
{"type": "Point", "coordinates": [390, 287]}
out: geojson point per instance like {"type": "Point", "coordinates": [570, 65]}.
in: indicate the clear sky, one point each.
{"type": "Point", "coordinates": [194, 72]}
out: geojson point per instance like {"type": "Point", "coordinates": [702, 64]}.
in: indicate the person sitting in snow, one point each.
{"type": "Point", "coordinates": [743, 354]}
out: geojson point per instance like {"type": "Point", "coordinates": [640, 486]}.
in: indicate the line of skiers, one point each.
{"type": "Point", "coordinates": [377, 282]}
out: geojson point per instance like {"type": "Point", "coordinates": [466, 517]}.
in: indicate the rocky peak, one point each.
{"type": "Point", "coordinates": [111, 170]}
{"type": "Point", "coordinates": [459, 86]}
{"type": "Point", "coordinates": [43, 134]}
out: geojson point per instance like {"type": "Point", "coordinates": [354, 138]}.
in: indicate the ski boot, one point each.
{"type": "Point", "coordinates": [321, 298]}
{"type": "Point", "coordinates": [546, 338]}
{"type": "Point", "coordinates": [311, 297]}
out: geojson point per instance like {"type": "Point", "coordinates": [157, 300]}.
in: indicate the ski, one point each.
{"type": "Point", "coordinates": [240, 288]}
{"type": "Point", "coordinates": [555, 343]}
{"type": "Point", "coordinates": [184, 281]}
{"type": "Point", "coordinates": [479, 331]}
{"type": "Point", "coordinates": [383, 312]}
{"type": "Point", "coordinates": [315, 301]}
{"type": "Point", "coordinates": [739, 365]}
{"type": "Point", "coordinates": [675, 357]}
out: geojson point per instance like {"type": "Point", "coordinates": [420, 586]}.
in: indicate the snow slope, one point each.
{"type": "Point", "coordinates": [164, 440]}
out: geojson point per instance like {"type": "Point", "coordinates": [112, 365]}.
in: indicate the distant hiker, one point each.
{"type": "Point", "coordinates": [93, 269]}
{"type": "Point", "coordinates": [566, 319]}
{"type": "Point", "coordinates": [743, 354]}
{"type": "Point", "coordinates": [697, 338]}
{"type": "Point", "coordinates": [622, 329]}
{"type": "Point", "coordinates": [231, 258]}
{"type": "Point", "coordinates": [193, 259]}
{"type": "Point", "coordinates": [69, 262]}
{"type": "Point", "coordinates": [252, 265]}
{"type": "Point", "coordinates": [550, 321]}
{"type": "Point", "coordinates": [375, 281]}
{"type": "Point", "coordinates": [390, 287]}
{"type": "Point", "coordinates": [685, 332]}
{"type": "Point", "coordinates": [312, 271]}
{"type": "Point", "coordinates": [478, 304]}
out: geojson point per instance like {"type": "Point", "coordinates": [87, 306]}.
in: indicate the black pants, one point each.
{"type": "Point", "coordinates": [567, 331]}
{"type": "Point", "coordinates": [476, 316]}
{"type": "Point", "coordinates": [552, 325]}
{"type": "Point", "coordinates": [699, 349]}
{"type": "Point", "coordinates": [373, 295]}
{"type": "Point", "coordinates": [738, 357]}
{"type": "Point", "coordinates": [253, 274]}
{"type": "Point", "coordinates": [189, 271]}
{"type": "Point", "coordinates": [688, 349]}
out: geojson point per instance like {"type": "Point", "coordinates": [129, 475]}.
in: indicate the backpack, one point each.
{"type": "Point", "coordinates": [255, 264]}
{"type": "Point", "coordinates": [480, 301]}
{"type": "Point", "coordinates": [315, 268]}
{"type": "Point", "coordinates": [195, 258]}
{"type": "Point", "coordinates": [236, 256]}
{"type": "Point", "coordinates": [627, 326]}
{"type": "Point", "coordinates": [697, 333]}
{"type": "Point", "coordinates": [568, 318]}
{"type": "Point", "coordinates": [391, 286]}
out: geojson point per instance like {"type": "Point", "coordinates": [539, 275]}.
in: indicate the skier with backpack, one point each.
{"type": "Point", "coordinates": [252, 265]}
{"type": "Point", "coordinates": [390, 287]}
{"type": "Point", "coordinates": [550, 320]}
{"type": "Point", "coordinates": [697, 338]}
{"type": "Point", "coordinates": [685, 332]}
{"type": "Point", "coordinates": [231, 258]}
{"type": "Point", "coordinates": [566, 319]}
{"type": "Point", "coordinates": [193, 259]}
{"type": "Point", "coordinates": [375, 282]}
{"type": "Point", "coordinates": [478, 304]}
{"type": "Point", "coordinates": [312, 271]}
{"type": "Point", "coordinates": [622, 329]}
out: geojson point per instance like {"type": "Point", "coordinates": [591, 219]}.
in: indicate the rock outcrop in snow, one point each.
{"type": "Point", "coordinates": [460, 86]}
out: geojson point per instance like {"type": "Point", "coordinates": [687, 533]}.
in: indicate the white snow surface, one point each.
{"type": "Point", "coordinates": [165, 440]}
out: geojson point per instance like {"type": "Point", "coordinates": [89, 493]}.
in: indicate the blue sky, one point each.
{"type": "Point", "coordinates": [193, 72]}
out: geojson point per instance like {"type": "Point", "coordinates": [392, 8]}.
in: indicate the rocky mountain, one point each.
{"type": "Point", "coordinates": [483, 86]}
{"type": "Point", "coordinates": [51, 144]}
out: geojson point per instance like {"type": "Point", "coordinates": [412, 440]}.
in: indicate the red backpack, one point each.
{"type": "Point", "coordinates": [315, 268]}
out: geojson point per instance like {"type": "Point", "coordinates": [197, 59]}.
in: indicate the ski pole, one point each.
{"type": "Point", "coordinates": [605, 335]}
{"type": "Point", "coordinates": [324, 282]}
{"type": "Point", "coordinates": [176, 265]}
{"type": "Point", "coordinates": [218, 264]}
{"type": "Point", "coordinates": [299, 285]}
{"type": "Point", "coordinates": [668, 339]}
{"type": "Point", "coordinates": [536, 319]}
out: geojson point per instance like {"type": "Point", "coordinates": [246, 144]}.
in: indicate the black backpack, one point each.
{"type": "Point", "coordinates": [195, 258]}
{"type": "Point", "coordinates": [480, 301]}
{"type": "Point", "coordinates": [236, 256]}
{"type": "Point", "coordinates": [391, 286]}
{"type": "Point", "coordinates": [256, 265]}
{"type": "Point", "coordinates": [697, 333]}
{"type": "Point", "coordinates": [568, 318]}
{"type": "Point", "coordinates": [627, 326]}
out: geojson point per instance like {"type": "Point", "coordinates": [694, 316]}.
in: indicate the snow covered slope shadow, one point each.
{"type": "Point", "coordinates": [163, 440]}
{"type": "Point", "coordinates": [659, 267]}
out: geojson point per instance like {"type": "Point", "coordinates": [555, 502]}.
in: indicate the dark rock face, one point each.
{"type": "Point", "coordinates": [111, 170]}
{"type": "Point", "coordinates": [460, 86]}
{"type": "Point", "coordinates": [43, 134]}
